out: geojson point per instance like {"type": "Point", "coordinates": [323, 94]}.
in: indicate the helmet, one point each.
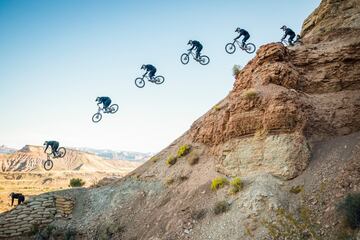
{"type": "Point", "coordinates": [97, 99]}
{"type": "Point", "coordinates": [190, 42]}
{"type": "Point", "coordinates": [283, 27]}
{"type": "Point", "coordinates": [45, 142]}
{"type": "Point", "coordinates": [237, 29]}
{"type": "Point", "coordinates": [143, 66]}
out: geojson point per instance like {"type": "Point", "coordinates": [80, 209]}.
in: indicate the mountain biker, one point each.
{"type": "Point", "coordinates": [54, 146]}
{"type": "Point", "coordinates": [18, 196]}
{"type": "Point", "coordinates": [290, 33]}
{"type": "Point", "coordinates": [242, 32]}
{"type": "Point", "coordinates": [150, 69]}
{"type": "Point", "coordinates": [105, 101]}
{"type": "Point", "coordinates": [196, 45]}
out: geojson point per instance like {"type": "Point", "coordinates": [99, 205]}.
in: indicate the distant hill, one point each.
{"type": "Point", "coordinates": [118, 155]}
{"type": "Point", "coordinates": [30, 158]}
{"type": "Point", "coordinates": [5, 150]}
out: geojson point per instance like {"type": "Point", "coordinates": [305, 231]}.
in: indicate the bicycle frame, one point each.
{"type": "Point", "coordinates": [191, 52]}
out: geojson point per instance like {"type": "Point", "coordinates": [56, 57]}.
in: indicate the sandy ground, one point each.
{"type": "Point", "coordinates": [34, 183]}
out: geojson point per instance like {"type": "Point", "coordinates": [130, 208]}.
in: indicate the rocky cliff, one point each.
{"type": "Point", "coordinates": [272, 160]}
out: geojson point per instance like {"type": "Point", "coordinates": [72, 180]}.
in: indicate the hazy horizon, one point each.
{"type": "Point", "coordinates": [58, 56]}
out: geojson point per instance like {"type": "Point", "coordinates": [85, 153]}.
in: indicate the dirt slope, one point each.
{"type": "Point", "coordinates": [292, 121]}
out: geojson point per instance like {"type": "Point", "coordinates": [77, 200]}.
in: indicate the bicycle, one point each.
{"type": "Point", "coordinates": [185, 58]}
{"type": "Point", "coordinates": [140, 81]}
{"type": "Point", "coordinates": [297, 41]}
{"type": "Point", "coordinates": [98, 116]}
{"type": "Point", "coordinates": [231, 47]}
{"type": "Point", "coordinates": [60, 153]}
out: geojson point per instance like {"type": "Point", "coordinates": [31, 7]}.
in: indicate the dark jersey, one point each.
{"type": "Point", "coordinates": [289, 32]}
{"type": "Point", "coordinates": [149, 67]}
{"type": "Point", "coordinates": [243, 32]}
{"type": "Point", "coordinates": [104, 99]}
{"type": "Point", "coordinates": [196, 44]}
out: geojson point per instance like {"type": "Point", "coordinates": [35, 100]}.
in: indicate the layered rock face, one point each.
{"type": "Point", "coordinates": [287, 98]}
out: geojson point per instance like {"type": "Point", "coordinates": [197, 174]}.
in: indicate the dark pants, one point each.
{"type": "Point", "coordinates": [152, 73]}
{"type": "Point", "coordinates": [291, 38]}
{"type": "Point", "coordinates": [198, 51]}
{"type": "Point", "coordinates": [54, 148]}
{"type": "Point", "coordinates": [246, 37]}
{"type": "Point", "coordinates": [106, 103]}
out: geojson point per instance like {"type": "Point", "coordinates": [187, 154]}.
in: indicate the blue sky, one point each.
{"type": "Point", "coordinates": [56, 57]}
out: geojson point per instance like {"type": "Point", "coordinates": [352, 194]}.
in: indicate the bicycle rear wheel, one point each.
{"type": "Point", "coordinates": [184, 58]}
{"type": "Point", "coordinates": [250, 48]}
{"type": "Point", "coordinates": [159, 79]}
{"type": "Point", "coordinates": [230, 48]}
{"type": "Point", "coordinates": [48, 165]}
{"type": "Point", "coordinates": [204, 60]}
{"type": "Point", "coordinates": [114, 108]}
{"type": "Point", "coordinates": [96, 117]}
{"type": "Point", "coordinates": [61, 152]}
{"type": "Point", "coordinates": [139, 82]}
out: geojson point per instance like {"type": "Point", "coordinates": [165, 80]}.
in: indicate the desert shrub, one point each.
{"type": "Point", "coordinates": [296, 189]}
{"type": "Point", "coordinates": [217, 107]}
{"type": "Point", "coordinates": [218, 182]}
{"type": "Point", "coordinates": [76, 182]}
{"type": "Point", "coordinates": [198, 214]}
{"type": "Point", "coordinates": [236, 70]}
{"type": "Point", "coordinates": [171, 160]}
{"type": "Point", "coordinates": [107, 231]}
{"type": "Point", "coordinates": [183, 150]}
{"type": "Point", "coordinates": [193, 159]}
{"type": "Point", "coordinates": [287, 226]}
{"type": "Point", "coordinates": [250, 94]}
{"type": "Point", "coordinates": [154, 159]}
{"type": "Point", "coordinates": [183, 178]}
{"type": "Point", "coordinates": [221, 207]}
{"type": "Point", "coordinates": [350, 209]}
{"type": "Point", "coordinates": [236, 185]}
{"type": "Point", "coordinates": [169, 181]}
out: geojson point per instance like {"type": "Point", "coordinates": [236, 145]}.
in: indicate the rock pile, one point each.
{"type": "Point", "coordinates": [39, 211]}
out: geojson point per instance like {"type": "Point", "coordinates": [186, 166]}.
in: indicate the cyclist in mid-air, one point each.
{"type": "Point", "coordinates": [54, 147]}
{"type": "Point", "coordinates": [242, 32]}
{"type": "Point", "coordinates": [290, 33]}
{"type": "Point", "coordinates": [197, 46]}
{"type": "Point", "coordinates": [150, 69]}
{"type": "Point", "coordinates": [105, 101]}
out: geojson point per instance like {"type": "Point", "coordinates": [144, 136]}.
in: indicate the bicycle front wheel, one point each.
{"type": "Point", "coordinates": [114, 108]}
{"type": "Point", "coordinates": [96, 117]}
{"type": "Point", "coordinates": [250, 48]}
{"type": "Point", "coordinates": [48, 165]}
{"type": "Point", "coordinates": [61, 152]}
{"type": "Point", "coordinates": [230, 48]}
{"type": "Point", "coordinates": [184, 58]}
{"type": "Point", "coordinates": [204, 60]}
{"type": "Point", "coordinates": [139, 82]}
{"type": "Point", "coordinates": [159, 79]}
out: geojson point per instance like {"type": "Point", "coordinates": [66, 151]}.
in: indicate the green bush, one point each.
{"type": "Point", "coordinates": [76, 182]}
{"type": "Point", "coordinates": [236, 185]}
{"type": "Point", "coordinates": [171, 160]}
{"type": "Point", "coordinates": [221, 207]}
{"type": "Point", "coordinates": [350, 209]}
{"type": "Point", "coordinates": [236, 70]}
{"type": "Point", "coordinates": [218, 182]}
{"type": "Point", "coordinates": [183, 150]}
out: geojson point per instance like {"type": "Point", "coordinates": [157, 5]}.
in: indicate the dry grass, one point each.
{"type": "Point", "coordinates": [221, 207]}
{"type": "Point", "coordinates": [193, 158]}
{"type": "Point", "coordinates": [250, 94]}
{"type": "Point", "coordinates": [236, 185]}
{"type": "Point", "coordinates": [183, 150]}
{"type": "Point", "coordinates": [171, 160]}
